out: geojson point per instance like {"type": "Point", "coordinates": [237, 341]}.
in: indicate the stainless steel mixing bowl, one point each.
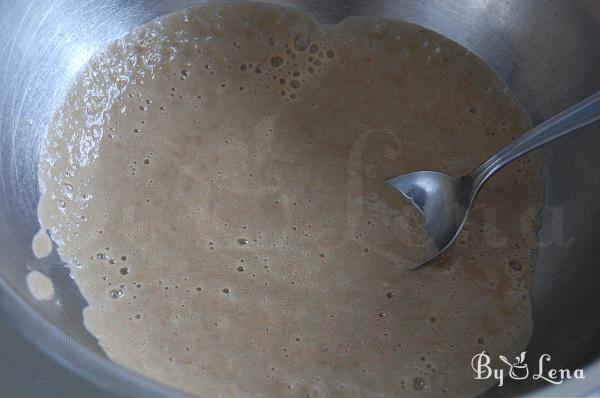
{"type": "Point", "coordinates": [547, 51]}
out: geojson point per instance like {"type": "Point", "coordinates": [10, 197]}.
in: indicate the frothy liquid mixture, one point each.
{"type": "Point", "coordinates": [215, 183]}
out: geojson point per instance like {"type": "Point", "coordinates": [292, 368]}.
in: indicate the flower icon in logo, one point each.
{"type": "Point", "coordinates": [518, 369]}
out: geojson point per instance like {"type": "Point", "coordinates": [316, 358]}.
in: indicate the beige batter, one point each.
{"type": "Point", "coordinates": [40, 286]}
{"type": "Point", "coordinates": [215, 183]}
{"type": "Point", "coordinates": [41, 244]}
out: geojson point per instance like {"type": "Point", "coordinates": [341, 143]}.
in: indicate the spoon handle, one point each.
{"type": "Point", "coordinates": [579, 115]}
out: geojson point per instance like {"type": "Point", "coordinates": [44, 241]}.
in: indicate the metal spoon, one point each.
{"type": "Point", "coordinates": [445, 201]}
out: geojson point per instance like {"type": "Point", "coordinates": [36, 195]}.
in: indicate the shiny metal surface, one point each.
{"type": "Point", "coordinates": [445, 201]}
{"type": "Point", "coordinates": [548, 53]}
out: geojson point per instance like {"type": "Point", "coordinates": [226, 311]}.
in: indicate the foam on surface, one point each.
{"type": "Point", "coordinates": [215, 183]}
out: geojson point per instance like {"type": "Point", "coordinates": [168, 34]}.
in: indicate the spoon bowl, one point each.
{"type": "Point", "coordinates": [442, 200]}
{"type": "Point", "coordinates": [445, 201]}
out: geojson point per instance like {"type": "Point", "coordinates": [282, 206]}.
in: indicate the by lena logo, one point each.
{"type": "Point", "coordinates": [519, 370]}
